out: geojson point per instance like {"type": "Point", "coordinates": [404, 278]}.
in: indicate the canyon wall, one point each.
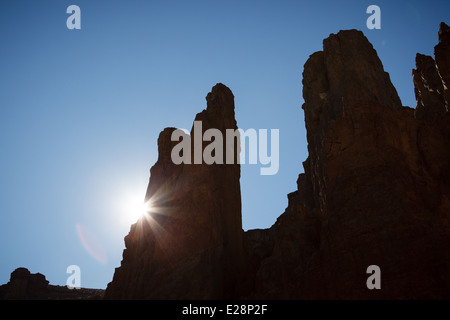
{"type": "Point", "coordinates": [375, 191]}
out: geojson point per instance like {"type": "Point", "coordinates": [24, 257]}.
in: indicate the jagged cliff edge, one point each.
{"type": "Point", "coordinates": [376, 191]}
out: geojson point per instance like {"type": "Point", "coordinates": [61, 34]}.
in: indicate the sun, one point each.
{"type": "Point", "coordinates": [133, 208]}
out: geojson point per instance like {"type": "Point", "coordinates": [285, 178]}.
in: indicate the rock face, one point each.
{"type": "Point", "coordinates": [376, 187]}
{"type": "Point", "coordinates": [190, 246]}
{"type": "Point", "coordinates": [375, 191]}
{"type": "Point", "coordinates": [432, 79]}
{"type": "Point", "coordinates": [429, 89]}
{"type": "Point", "coordinates": [442, 54]}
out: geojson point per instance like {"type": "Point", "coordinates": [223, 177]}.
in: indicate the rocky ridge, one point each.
{"type": "Point", "coordinates": [375, 191]}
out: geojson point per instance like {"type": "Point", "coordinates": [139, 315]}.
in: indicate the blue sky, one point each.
{"type": "Point", "coordinates": [81, 110]}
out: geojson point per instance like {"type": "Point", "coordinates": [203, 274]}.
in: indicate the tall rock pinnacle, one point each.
{"type": "Point", "coordinates": [190, 245]}
{"type": "Point", "coordinates": [343, 81]}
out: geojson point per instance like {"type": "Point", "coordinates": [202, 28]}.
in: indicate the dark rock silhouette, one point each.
{"type": "Point", "coordinates": [376, 191]}
{"type": "Point", "coordinates": [429, 89]}
{"type": "Point", "coordinates": [24, 285]}
{"type": "Point", "coordinates": [376, 186]}
{"type": "Point", "coordinates": [442, 54]}
{"type": "Point", "coordinates": [190, 246]}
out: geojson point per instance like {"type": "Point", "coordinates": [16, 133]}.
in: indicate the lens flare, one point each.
{"type": "Point", "coordinates": [91, 243]}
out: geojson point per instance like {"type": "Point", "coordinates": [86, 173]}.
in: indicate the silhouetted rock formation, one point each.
{"type": "Point", "coordinates": [376, 191]}
{"type": "Point", "coordinates": [376, 187]}
{"type": "Point", "coordinates": [24, 285]}
{"type": "Point", "coordinates": [190, 246]}
{"type": "Point", "coordinates": [431, 79]}
{"type": "Point", "coordinates": [442, 54]}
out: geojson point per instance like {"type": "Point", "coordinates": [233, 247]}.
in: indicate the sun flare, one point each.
{"type": "Point", "coordinates": [134, 208]}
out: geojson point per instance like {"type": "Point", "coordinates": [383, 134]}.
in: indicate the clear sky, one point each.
{"type": "Point", "coordinates": [81, 110]}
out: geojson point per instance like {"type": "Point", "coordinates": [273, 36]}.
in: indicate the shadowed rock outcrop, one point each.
{"type": "Point", "coordinates": [432, 79]}
{"type": "Point", "coordinates": [442, 54]}
{"type": "Point", "coordinates": [190, 245]}
{"type": "Point", "coordinates": [24, 285]}
{"type": "Point", "coordinates": [376, 186]}
{"type": "Point", "coordinates": [375, 191]}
